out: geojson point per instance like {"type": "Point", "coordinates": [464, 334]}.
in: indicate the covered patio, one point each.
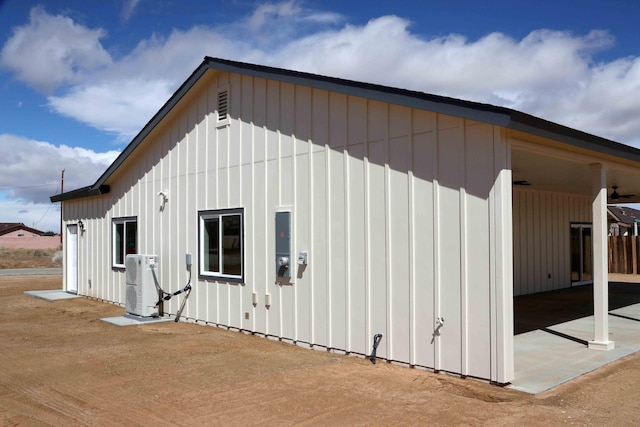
{"type": "Point", "coordinates": [570, 317]}
{"type": "Point", "coordinates": [551, 345]}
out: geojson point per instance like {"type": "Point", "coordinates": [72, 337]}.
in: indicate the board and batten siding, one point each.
{"type": "Point", "coordinates": [542, 238]}
{"type": "Point", "coordinates": [405, 215]}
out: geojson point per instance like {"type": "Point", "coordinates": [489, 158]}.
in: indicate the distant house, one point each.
{"type": "Point", "coordinates": [18, 229]}
{"type": "Point", "coordinates": [623, 221]}
{"type": "Point", "coordinates": [18, 235]}
{"type": "Point", "coordinates": [327, 212]}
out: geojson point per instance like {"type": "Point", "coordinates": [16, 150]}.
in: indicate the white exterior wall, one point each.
{"type": "Point", "coordinates": [542, 238]}
{"type": "Point", "coordinates": [405, 214]}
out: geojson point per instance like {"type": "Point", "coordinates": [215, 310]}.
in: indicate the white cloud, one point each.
{"type": "Point", "coordinates": [122, 98]}
{"type": "Point", "coordinates": [30, 170]}
{"type": "Point", "coordinates": [274, 24]}
{"type": "Point", "coordinates": [265, 14]}
{"type": "Point", "coordinates": [51, 51]}
{"type": "Point", "coordinates": [384, 51]}
{"type": "Point", "coordinates": [551, 74]}
{"type": "Point", "coordinates": [118, 107]}
{"type": "Point", "coordinates": [44, 217]}
{"type": "Point", "coordinates": [128, 9]}
{"type": "Point", "coordinates": [30, 173]}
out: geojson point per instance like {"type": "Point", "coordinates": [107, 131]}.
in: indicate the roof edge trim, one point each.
{"type": "Point", "coordinates": [80, 193]}
{"type": "Point", "coordinates": [485, 113]}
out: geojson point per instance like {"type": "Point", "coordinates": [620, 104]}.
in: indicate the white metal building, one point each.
{"type": "Point", "coordinates": [419, 216]}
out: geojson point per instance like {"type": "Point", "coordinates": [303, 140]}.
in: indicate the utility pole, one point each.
{"type": "Point", "coordinates": [61, 191]}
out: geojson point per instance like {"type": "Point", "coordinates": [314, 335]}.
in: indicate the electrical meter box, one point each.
{"type": "Point", "coordinates": [283, 244]}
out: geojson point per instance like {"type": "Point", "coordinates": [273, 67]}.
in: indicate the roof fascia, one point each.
{"type": "Point", "coordinates": [10, 229]}
{"type": "Point", "coordinates": [80, 193]}
{"type": "Point", "coordinates": [21, 227]}
{"type": "Point", "coordinates": [613, 214]}
{"type": "Point", "coordinates": [485, 113]}
{"type": "Point", "coordinates": [546, 129]}
{"type": "Point", "coordinates": [439, 104]}
{"type": "Point", "coordinates": [436, 103]}
{"type": "Point", "coordinates": [155, 120]}
{"type": "Point", "coordinates": [99, 187]}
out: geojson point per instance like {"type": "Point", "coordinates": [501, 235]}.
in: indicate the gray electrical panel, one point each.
{"type": "Point", "coordinates": [283, 244]}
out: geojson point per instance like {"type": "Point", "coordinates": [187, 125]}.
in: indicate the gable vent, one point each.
{"type": "Point", "coordinates": [223, 105]}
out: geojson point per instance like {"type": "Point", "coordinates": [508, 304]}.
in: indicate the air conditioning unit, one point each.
{"type": "Point", "coordinates": [142, 295]}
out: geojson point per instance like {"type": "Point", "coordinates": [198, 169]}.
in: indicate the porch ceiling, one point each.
{"type": "Point", "coordinates": [572, 175]}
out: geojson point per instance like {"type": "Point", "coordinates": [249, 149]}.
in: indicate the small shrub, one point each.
{"type": "Point", "coordinates": [57, 257]}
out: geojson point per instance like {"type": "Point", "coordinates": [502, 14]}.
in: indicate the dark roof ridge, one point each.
{"type": "Point", "coordinates": [260, 69]}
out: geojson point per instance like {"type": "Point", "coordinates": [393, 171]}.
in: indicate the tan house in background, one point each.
{"type": "Point", "coordinates": [18, 235]}
{"type": "Point", "coordinates": [623, 221]}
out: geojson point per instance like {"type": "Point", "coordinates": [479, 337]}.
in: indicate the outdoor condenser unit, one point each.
{"type": "Point", "coordinates": [142, 295]}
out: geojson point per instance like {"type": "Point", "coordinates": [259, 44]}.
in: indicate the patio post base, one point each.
{"type": "Point", "coordinates": [601, 345]}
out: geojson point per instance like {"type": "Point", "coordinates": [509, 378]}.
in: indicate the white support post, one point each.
{"type": "Point", "coordinates": [502, 355]}
{"type": "Point", "coordinates": [600, 267]}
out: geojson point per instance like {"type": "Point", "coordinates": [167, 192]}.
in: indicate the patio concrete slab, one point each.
{"type": "Point", "coordinates": [547, 357]}
{"type": "Point", "coordinates": [631, 312]}
{"type": "Point", "coordinates": [51, 294]}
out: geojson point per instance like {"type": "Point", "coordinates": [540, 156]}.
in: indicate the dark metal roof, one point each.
{"type": "Point", "coordinates": [6, 225]}
{"type": "Point", "coordinates": [624, 214]}
{"type": "Point", "coordinates": [480, 112]}
{"type": "Point", "coordinates": [88, 191]}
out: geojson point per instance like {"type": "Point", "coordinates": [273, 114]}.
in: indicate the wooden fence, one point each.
{"type": "Point", "coordinates": [623, 254]}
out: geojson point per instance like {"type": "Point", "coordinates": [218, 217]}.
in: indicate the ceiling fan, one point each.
{"type": "Point", "coordinates": [616, 196]}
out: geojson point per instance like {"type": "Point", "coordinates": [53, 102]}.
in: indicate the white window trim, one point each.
{"type": "Point", "coordinates": [212, 214]}
{"type": "Point", "coordinates": [125, 221]}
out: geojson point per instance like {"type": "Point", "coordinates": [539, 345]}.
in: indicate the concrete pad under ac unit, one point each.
{"type": "Point", "coordinates": [131, 320]}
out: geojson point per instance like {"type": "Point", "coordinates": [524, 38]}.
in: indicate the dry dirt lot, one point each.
{"type": "Point", "coordinates": [61, 365]}
{"type": "Point", "coordinates": [11, 258]}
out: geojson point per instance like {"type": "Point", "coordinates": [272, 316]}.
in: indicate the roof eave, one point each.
{"type": "Point", "coordinates": [536, 126]}
{"type": "Point", "coordinates": [439, 104]}
{"type": "Point", "coordinates": [155, 120]}
{"type": "Point", "coordinates": [485, 113]}
{"type": "Point", "coordinates": [80, 193]}
{"type": "Point", "coordinates": [613, 214]}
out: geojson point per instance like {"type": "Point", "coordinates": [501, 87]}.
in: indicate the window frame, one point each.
{"type": "Point", "coordinates": [219, 275]}
{"type": "Point", "coordinates": [114, 223]}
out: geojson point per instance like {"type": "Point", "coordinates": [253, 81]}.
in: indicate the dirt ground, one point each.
{"type": "Point", "coordinates": [11, 258]}
{"type": "Point", "coordinates": [61, 365]}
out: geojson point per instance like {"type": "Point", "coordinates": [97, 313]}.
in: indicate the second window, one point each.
{"type": "Point", "coordinates": [221, 243]}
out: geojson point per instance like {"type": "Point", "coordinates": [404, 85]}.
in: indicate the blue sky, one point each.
{"type": "Point", "coordinates": [78, 79]}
